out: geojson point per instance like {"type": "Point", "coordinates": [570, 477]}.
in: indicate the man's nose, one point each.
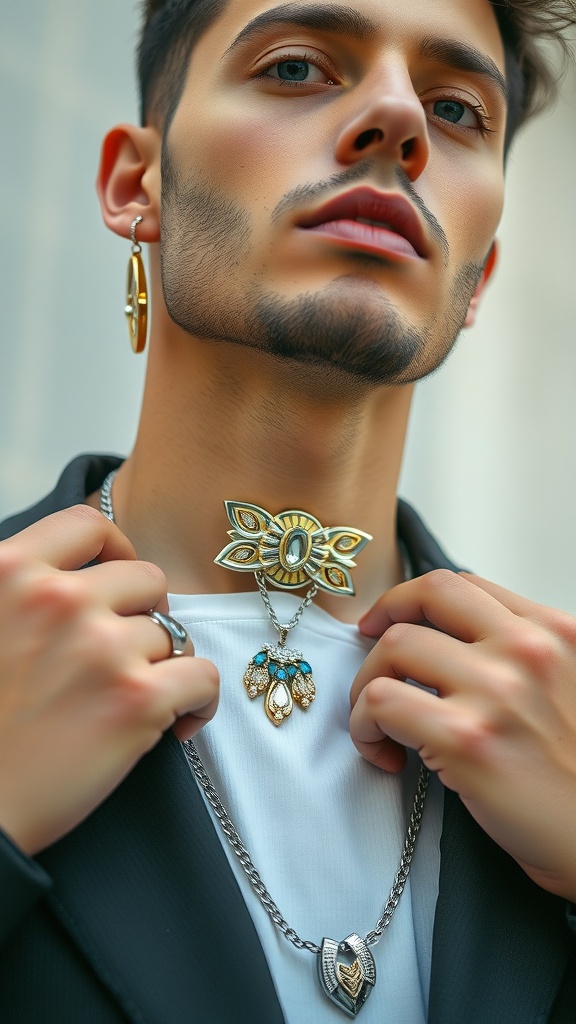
{"type": "Point", "coordinates": [388, 121]}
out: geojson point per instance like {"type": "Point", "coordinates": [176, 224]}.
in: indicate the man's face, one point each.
{"type": "Point", "coordinates": [332, 181]}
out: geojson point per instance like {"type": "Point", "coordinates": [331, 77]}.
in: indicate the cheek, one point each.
{"type": "Point", "coordinates": [246, 154]}
{"type": "Point", "coordinates": [468, 203]}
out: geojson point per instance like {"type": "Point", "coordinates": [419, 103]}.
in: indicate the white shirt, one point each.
{"type": "Point", "coordinates": [324, 828]}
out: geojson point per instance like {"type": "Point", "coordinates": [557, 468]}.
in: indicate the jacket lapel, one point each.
{"type": "Point", "coordinates": [501, 944]}
{"type": "Point", "coordinates": [78, 480]}
{"type": "Point", "coordinates": [158, 912]}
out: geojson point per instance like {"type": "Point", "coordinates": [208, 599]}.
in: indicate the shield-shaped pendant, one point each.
{"type": "Point", "coordinates": [347, 972]}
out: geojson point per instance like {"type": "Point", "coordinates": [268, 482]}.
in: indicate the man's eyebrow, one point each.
{"type": "Point", "coordinates": [463, 57]}
{"type": "Point", "coordinates": [329, 17]}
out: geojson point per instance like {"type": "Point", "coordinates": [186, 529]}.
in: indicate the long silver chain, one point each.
{"type": "Point", "coordinates": [227, 825]}
{"type": "Point", "coordinates": [283, 628]}
{"type": "Point", "coordinates": [229, 829]}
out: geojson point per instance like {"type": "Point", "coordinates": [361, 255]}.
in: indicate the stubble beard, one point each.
{"type": "Point", "coordinates": [348, 334]}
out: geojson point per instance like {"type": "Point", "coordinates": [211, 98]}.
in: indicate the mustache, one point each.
{"type": "Point", "coordinates": [363, 170]}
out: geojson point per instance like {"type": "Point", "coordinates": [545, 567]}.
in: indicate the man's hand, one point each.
{"type": "Point", "coordinates": [87, 684]}
{"type": "Point", "coordinates": [501, 730]}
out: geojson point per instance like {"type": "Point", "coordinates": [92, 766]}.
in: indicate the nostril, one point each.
{"type": "Point", "coordinates": [365, 138]}
{"type": "Point", "coordinates": [408, 148]}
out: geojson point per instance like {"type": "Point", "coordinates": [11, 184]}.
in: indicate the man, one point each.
{"type": "Point", "coordinates": [320, 185]}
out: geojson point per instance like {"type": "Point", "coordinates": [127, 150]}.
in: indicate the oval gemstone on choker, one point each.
{"type": "Point", "coordinates": [294, 549]}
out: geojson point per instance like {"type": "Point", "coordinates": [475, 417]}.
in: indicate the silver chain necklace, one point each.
{"type": "Point", "coordinates": [346, 969]}
{"type": "Point", "coordinates": [285, 628]}
{"type": "Point", "coordinates": [106, 507]}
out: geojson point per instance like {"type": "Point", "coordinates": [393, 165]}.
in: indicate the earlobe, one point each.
{"type": "Point", "coordinates": [486, 275]}
{"type": "Point", "coordinates": [128, 182]}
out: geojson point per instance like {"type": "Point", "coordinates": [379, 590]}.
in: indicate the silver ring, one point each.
{"type": "Point", "coordinates": [175, 630]}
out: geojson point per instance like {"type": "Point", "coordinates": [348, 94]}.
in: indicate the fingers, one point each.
{"type": "Point", "coordinates": [55, 551]}
{"type": "Point", "coordinates": [389, 712]}
{"type": "Point", "coordinates": [70, 539]}
{"type": "Point", "coordinates": [521, 606]}
{"type": "Point", "coordinates": [445, 599]}
{"type": "Point", "coordinates": [431, 658]}
{"type": "Point", "coordinates": [516, 604]}
{"type": "Point", "coordinates": [500, 730]}
{"type": "Point", "coordinates": [149, 639]}
{"type": "Point", "coordinates": [188, 690]}
{"type": "Point", "coordinates": [88, 679]}
{"type": "Point", "coordinates": [127, 587]}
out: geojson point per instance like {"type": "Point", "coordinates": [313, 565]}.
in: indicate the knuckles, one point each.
{"type": "Point", "coordinates": [440, 579]}
{"type": "Point", "coordinates": [535, 649]}
{"type": "Point", "coordinates": [101, 643]}
{"type": "Point", "coordinates": [397, 635]}
{"type": "Point", "coordinates": [85, 513]}
{"type": "Point", "coordinates": [156, 574]}
{"type": "Point", "coordinates": [471, 737]}
{"type": "Point", "coordinates": [563, 626]}
{"type": "Point", "coordinates": [132, 698]}
{"type": "Point", "coordinates": [210, 673]}
{"type": "Point", "coordinates": [58, 595]}
{"type": "Point", "coordinates": [374, 695]}
{"type": "Point", "coordinates": [12, 562]}
{"type": "Point", "coordinates": [509, 687]}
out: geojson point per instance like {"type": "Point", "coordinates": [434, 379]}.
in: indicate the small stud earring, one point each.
{"type": "Point", "coordinates": [136, 309]}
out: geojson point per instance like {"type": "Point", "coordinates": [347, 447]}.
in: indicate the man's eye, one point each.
{"type": "Point", "coordinates": [456, 113]}
{"type": "Point", "coordinates": [296, 71]}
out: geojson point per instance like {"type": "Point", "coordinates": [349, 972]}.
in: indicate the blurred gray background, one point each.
{"type": "Point", "coordinates": [492, 446]}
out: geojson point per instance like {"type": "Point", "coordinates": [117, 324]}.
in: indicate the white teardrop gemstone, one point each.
{"type": "Point", "coordinates": [278, 703]}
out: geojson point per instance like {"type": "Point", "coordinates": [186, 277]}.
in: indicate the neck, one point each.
{"type": "Point", "coordinates": [220, 421]}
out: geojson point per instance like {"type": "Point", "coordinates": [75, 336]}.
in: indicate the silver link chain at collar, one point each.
{"type": "Point", "coordinates": [106, 496]}
{"type": "Point", "coordinates": [229, 830]}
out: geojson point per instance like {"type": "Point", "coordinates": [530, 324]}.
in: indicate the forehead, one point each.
{"type": "Point", "coordinates": [394, 22]}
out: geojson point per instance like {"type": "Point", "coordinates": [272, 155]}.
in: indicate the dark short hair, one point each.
{"type": "Point", "coordinates": [171, 28]}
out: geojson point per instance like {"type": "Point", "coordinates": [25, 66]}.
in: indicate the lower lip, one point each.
{"type": "Point", "coordinates": [366, 236]}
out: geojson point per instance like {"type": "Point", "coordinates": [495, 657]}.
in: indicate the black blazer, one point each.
{"type": "Point", "coordinates": [136, 917]}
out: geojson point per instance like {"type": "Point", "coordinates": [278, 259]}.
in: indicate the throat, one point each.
{"type": "Point", "coordinates": [246, 437]}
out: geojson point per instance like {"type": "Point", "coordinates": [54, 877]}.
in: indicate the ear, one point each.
{"type": "Point", "coordinates": [486, 275]}
{"type": "Point", "coordinates": [128, 182]}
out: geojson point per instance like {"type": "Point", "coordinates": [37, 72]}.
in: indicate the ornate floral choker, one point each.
{"type": "Point", "coordinates": [290, 550]}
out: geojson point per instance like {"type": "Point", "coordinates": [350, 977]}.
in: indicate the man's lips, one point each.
{"type": "Point", "coordinates": [382, 222]}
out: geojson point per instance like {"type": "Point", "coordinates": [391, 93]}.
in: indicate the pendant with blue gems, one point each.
{"type": "Point", "coordinates": [284, 678]}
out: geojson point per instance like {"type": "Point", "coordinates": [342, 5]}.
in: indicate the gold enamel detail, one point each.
{"type": "Point", "coordinates": [291, 549]}
{"type": "Point", "coordinates": [350, 978]}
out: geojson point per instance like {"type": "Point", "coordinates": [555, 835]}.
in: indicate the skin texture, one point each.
{"type": "Point", "coordinates": [85, 684]}
{"type": "Point", "coordinates": [504, 733]}
{"type": "Point", "coordinates": [230, 223]}
{"type": "Point", "coordinates": [242, 403]}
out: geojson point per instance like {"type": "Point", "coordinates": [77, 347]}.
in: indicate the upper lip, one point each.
{"type": "Point", "coordinates": [390, 209]}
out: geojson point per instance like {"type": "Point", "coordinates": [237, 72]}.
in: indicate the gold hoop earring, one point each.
{"type": "Point", "coordinates": [137, 294]}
